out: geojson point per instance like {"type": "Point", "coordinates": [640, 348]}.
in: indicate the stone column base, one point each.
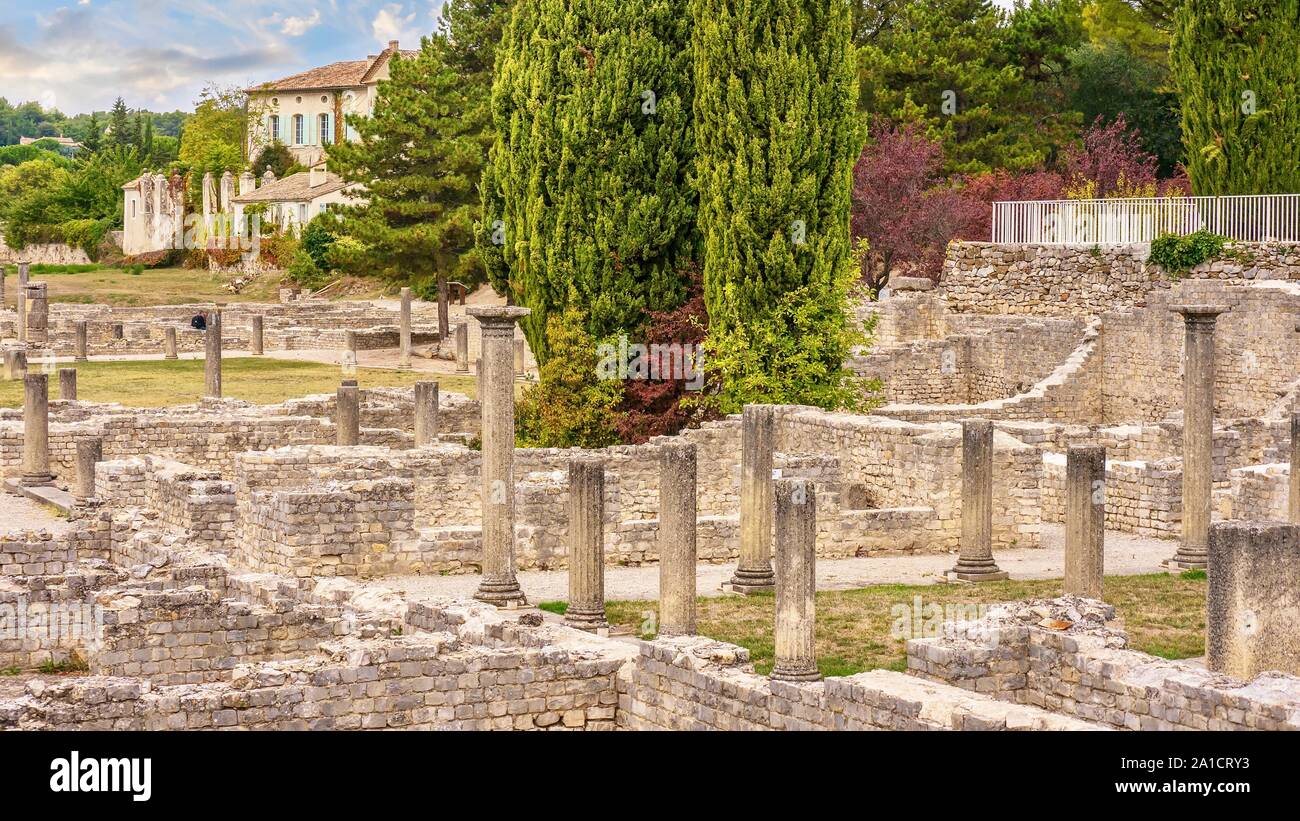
{"type": "Point", "coordinates": [1186, 561]}
{"type": "Point", "coordinates": [36, 479]}
{"type": "Point", "coordinates": [977, 571]}
{"type": "Point", "coordinates": [794, 674]}
{"type": "Point", "coordinates": [746, 582]}
{"type": "Point", "coordinates": [589, 620]}
{"type": "Point", "coordinates": [501, 594]}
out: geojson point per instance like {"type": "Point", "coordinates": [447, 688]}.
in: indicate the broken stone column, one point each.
{"type": "Point", "coordinates": [36, 431]}
{"type": "Point", "coordinates": [496, 391]}
{"type": "Point", "coordinates": [462, 348]}
{"type": "Point", "coordinates": [1253, 602]}
{"type": "Point", "coordinates": [1293, 500]}
{"type": "Point", "coordinates": [68, 383]}
{"type": "Point", "coordinates": [350, 352]}
{"type": "Point", "coordinates": [520, 359]}
{"type": "Point", "coordinates": [15, 364]}
{"type": "Point", "coordinates": [975, 559]}
{"type": "Point", "coordinates": [444, 311]}
{"type": "Point", "coordinates": [89, 453]}
{"type": "Point", "coordinates": [426, 413]}
{"type": "Point", "coordinates": [255, 343]}
{"type": "Point", "coordinates": [1198, 432]}
{"type": "Point", "coordinates": [347, 415]}
{"type": "Point", "coordinates": [23, 275]}
{"type": "Point", "coordinates": [677, 547]}
{"type": "Point", "coordinates": [38, 315]}
{"type": "Point", "coordinates": [796, 580]}
{"type": "Point", "coordinates": [212, 356]}
{"type": "Point", "coordinates": [169, 343]}
{"type": "Point", "coordinates": [1085, 520]}
{"type": "Point", "coordinates": [119, 330]}
{"type": "Point", "coordinates": [404, 333]}
{"type": "Point", "coordinates": [82, 348]}
{"type": "Point", "coordinates": [586, 610]}
{"type": "Point", "coordinates": [20, 306]}
{"type": "Point", "coordinates": [757, 439]}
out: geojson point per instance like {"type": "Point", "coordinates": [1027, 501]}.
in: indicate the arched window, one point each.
{"type": "Point", "coordinates": [275, 127]}
{"type": "Point", "coordinates": [326, 135]}
{"type": "Point", "coordinates": [297, 130]}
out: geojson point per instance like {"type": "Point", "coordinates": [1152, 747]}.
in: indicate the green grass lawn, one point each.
{"type": "Point", "coordinates": [158, 383]}
{"type": "Point", "coordinates": [1163, 614]}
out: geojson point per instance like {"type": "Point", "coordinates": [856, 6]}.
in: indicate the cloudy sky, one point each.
{"type": "Point", "coordinates": [79, 55]}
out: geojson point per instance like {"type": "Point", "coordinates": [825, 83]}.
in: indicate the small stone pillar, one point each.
{"type": "Point", "coordinates": [521, 367]}
{"type": "Point", "coordinates": [404, 331]}
{"type": "Point", "coordinates": [23, 274]}
{"type": "Point", "coordinates": [82, 347]}
{"type": "Point", "coordinates": [1085, 520]}
{"type": "Point", "coordinates": [15, 363]}
{"type": "Point", "coordinates": [347, 415]}
{"type": "Point", "coordinates": [89, 453]}
{"type": "Point", "coordinates": [1293, 500]}
{"type": "Point", "coordinates": [1198, 432]}
{"type": "Point", "coordinates": [1253, 601]}
{"type": "Point", "coordinates": [119, 330]}
{"type": "Point", "coordinates": [444, 312]}
{"type": "Point", "coordinates": [757, 440]}
{"type": "Point", "coordinates": [496, 392]}
{"type": "Point", "coordinates": [255, 342]}
{"type": "Point", "coordinates": [426, 413]}
{"type": "Point", "coordinates": [20, 306]}
{"type": "Point", "coordinates": [462, 348]}
{"type": "Point", "coordinates": [38, 315]}
{"type": "Point", "coordinates": [677, 547]}
{"type": "Point", "coordinates": [68, 383]}
{"type": "Point", "coordinates": [796, 581]}
{"type": "Point", "coordinates": [586, 609]}
{"type": "Point", "coordinates": [975, 559]}
{"type": "Point", "coordinates": [3, 273]}
{"type": "Point", "coordinates": [169, 343]}
{"type": "Point", "coordinates": [212, 356]}
{"type": "Point", "coordinates": [350, 352]}
{"type": "Point", "coordinates": [36, 430]}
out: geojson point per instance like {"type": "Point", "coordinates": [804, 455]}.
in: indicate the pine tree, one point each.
{"type": "Point", "coordinates": [1234, 64]}
{"type": "Point", "coordinates": [418, 159]}
{"type": "Point", "coordinates": [94, 135]}
{"type": "Point", "coordinates": [588, 185]}
{"type": "Point", "coordinates": [119, 123]}
{"type": "Point", "coordinates": [778, 135]}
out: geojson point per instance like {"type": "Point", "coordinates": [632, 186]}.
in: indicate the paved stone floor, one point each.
{"type": "Point", "coordinates": [1125, 555]}
{"type": "Point", "coordinates": [20, 513]}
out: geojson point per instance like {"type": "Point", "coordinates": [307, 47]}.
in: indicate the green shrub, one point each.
{"type": "Point", "coordinates": [304, 271]}
{"type": "Point", "coordinates": [1180, 254]}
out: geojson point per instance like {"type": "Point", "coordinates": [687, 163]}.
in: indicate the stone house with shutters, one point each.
{"type": "Point", "coordinates": [307, 111]}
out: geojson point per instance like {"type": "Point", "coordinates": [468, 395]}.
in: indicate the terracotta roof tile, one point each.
{"type": "Point", "coordinates": [293, 188]}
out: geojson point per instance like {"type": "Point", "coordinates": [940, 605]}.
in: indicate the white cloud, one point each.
{"type": "Point", "coordinates": [390, 24]}
{"type": "Point", "coordinates": [298, 26]}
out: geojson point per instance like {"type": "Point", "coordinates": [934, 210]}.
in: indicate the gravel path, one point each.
{"type": "Point", "coordinates": [20, 513]}
{"type": "Point", "coordinates": [1125, 555]}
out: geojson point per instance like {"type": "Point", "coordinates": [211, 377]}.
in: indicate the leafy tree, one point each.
{"type": "Point", "coordinates": [93, 136]}
{"type": "Point", "coordinates": [213, 140]}
{"type": "Point", "coordinates": [1111, 80]}
{"type": "Point", "coordinates": [1111, 23]}
{"type": "Point", "coordinates": [1234, 63]}
{"type": "Point", "coordinates": [777, 136]}
{"type": "Point", "coordinates": [275, 157]}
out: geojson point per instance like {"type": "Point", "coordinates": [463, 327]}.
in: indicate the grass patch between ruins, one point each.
{"type": "Point", "coordinates": [1164, 615]}
{"type": "Point", "coordinates": [263, 380]}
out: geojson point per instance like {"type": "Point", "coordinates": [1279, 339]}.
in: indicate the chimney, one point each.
{"type": "Point", "coordinates": [392, 45]}
{"type": "Point", "coordinates": [317, 175]}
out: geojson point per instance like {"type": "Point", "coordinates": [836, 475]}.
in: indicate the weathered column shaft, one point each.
{"type": "Point", "coordinates": [404, 333]}
{"type": "Point", "coordinates": [496, 390]}
{"type": "Point", "coordinates": [89, 453]}
{"type": "Point", "coordinates": [15, 363]}
{"type": "Point", "coordinates": [20, 306]}
{"type": "Point", "coordinates": [444, 310]}
{"type": "Point", "coordinates": [757, 440]}
{"type": "Point", "coordinates": [1085, 520]}
{"type": "Point", "coordinates": [36, 430]}
{"type": "Point", "coordinates": [1293, 501]}
{"type": "Point", "coordinates": [83, 345]}
{"type": "Point", "coordinates": [1253, 601]}
{"type": "Point", "coordinates": [975, 558]}
{"type": "Point", "coordinates": [1198, 433]}
{"type": "Point", "coordinates": [677, 546]}
{"type": "Point", "coordinates": [462, 348]}
{"type": "Point", "coordinates": [520, 358]}
{"type": "Point", "coordinates": [169, 343]}
{"type": "Point", "coordinates": [255, 345]}
{"type": "Point", "coordinates": [796, 581]}
{"type": "Point", "coordinates": [347, 415]}
{"type": "Point", "coordinates": [67, 383]}
{"type": "Point", "coordinates": [586, 609]}
{"type": "Point", "coordinates": [212, 356]}
{"type": "Point", "coordinates": [38, 315]}
{"type": "Point", "coordinates": [426, 413]}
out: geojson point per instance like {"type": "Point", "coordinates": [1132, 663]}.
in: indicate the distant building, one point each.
{"type": "Point", "coordinates": [295, 200]}
{"type": "Point", "coordinates": [307, 111]}
{"type": "Point", "coordinates": [67, 146]}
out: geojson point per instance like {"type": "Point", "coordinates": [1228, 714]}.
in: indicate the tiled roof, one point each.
{"type": "Point", "coordinates": [345, 74]}
{"type": "Point", "coordinates": [293, 188]}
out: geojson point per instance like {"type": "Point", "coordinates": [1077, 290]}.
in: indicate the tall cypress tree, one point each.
{"type": "Point", "coordinates": [588, 186]}
{"type": "Point", "coordinates": [119, 121]}
{"type": "Point", "coordinates": [1235, 67]}
{"type": "Point", "coordinates": [778, 134]}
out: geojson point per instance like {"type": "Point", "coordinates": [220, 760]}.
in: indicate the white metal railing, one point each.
{"type": "Point", "coordinates": [1250, 218]}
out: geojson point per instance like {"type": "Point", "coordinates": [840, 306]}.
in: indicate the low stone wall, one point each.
{"type": "Point", "coordinates": [43, 254]}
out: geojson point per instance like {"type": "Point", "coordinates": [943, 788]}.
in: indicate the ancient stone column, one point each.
{"type": "Point", "coordinates": [426, 413]}
{"type": "Point", "coordinates": [1085, 520]}
{"type": "Point", "coordinates": [496, 393]}
{"type": "Point", "coordinates": [975, 557]}
{"type": "Point", "coordinates": [212, 356]}
{"type": "Point", "coordinates": [20, 306]}
{"type": "Point", "coordinates": [15, 364]}
{"type": "Point", "coordinates": [757, 439]}
{"type": "Point", "coordinates": [404, 333]}
{"type": "Point", "coordinates": [23, 269]}
{"type": "Point", "coordinates": [38, 315]}
{"type": "Point", "coordinates": [350, 352]}
{"type": "Point", "coordinates": [1253, 601]}
{"type": "Point", "coordinates": [520, 359]}
{"type": "Point", "coordinates": [89, 453]}
{"type": "Point", "coordinates": [586, 609]}
{"type": "Point", "coordinates": [1293, 500]}
{"type": "Point", "coordinates": [255, 343]}
{"type": "Point", "coordinates": [677, 522]}
{"type": "Point", "coordinates": [347, 415]}
{"type": "Point", "coordinates": [36, 430]}
{"type": "Point", "coordinates": [82, 347]}
{"type": "Point", "coordinates": [1198, 432]}
{"type": "Point", "coordinates": [796, 580]}
{"type": "Point", "coordinates": [169, 343]}
{"type": "Point", "coordinates": [462, 348]}
{"type": "Point", "coordinates": [444, 311]}
{"type": "Point", "coordinates": [119, 330]}
{"type": "Point", "coordinates": [67, 383]}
